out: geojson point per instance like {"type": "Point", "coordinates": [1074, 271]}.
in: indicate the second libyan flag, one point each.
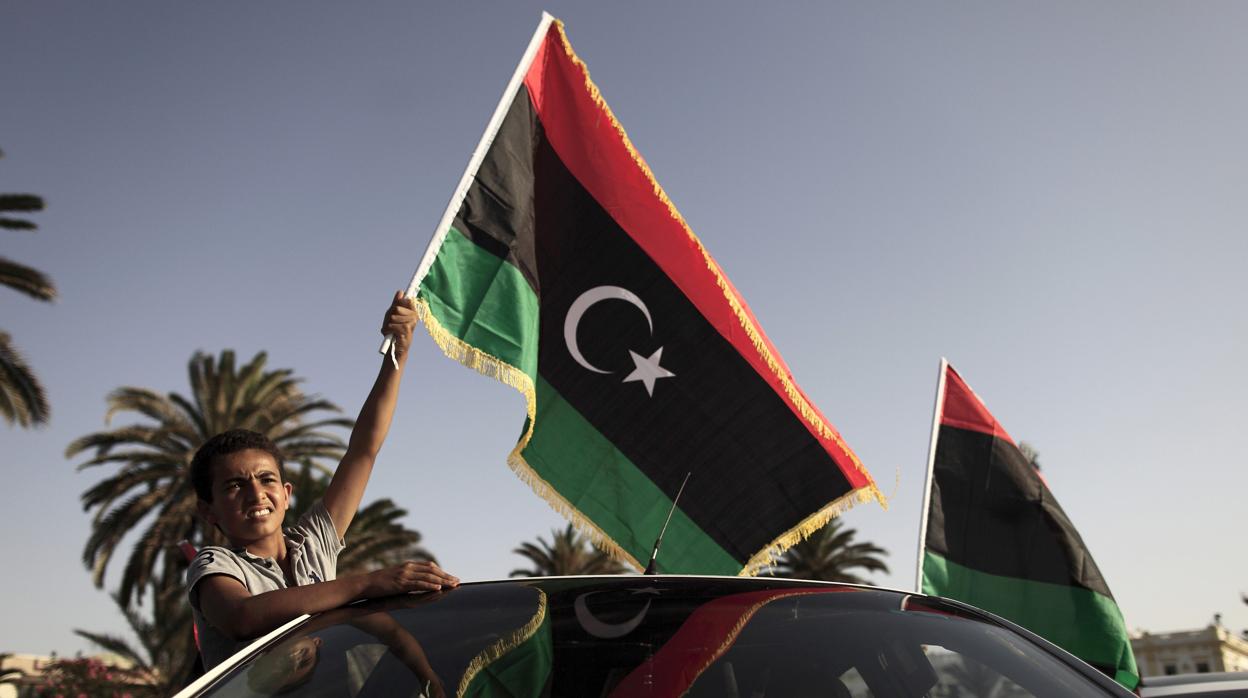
{"type": "Point", "coordinates": [562, 269]}
{"type": "Point", "coordinates": [995, 537]}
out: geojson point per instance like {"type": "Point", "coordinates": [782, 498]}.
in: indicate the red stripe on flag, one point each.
{"type": "Point", "coordinates": [604, 164]}
{"type": "Point", "coordinates": [963, 408]}
{"type": "Point", "coordinates": [708, 633]}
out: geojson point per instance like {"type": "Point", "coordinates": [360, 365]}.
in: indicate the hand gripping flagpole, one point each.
{"type": "Point", "coordinates": [470, 172]}
{"type": "Point", "coordinates": [937, 410]}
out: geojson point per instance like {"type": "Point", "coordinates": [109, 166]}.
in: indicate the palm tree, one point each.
{"type": "Point", "coordinates": [376, 538]}
{"type": "Point", "coordinates": [22, 400]}
{"type": "Point", "coordinates": [165, 660]}
{"type": "Point", "coordinates": [152, 481]}
{"type": "Point", "coordinates": [568, 553]}
{"type": "Point", "coordinates": [829, 554]}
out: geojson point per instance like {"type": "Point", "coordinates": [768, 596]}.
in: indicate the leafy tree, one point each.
{"type": "Point", "coordinates": [22, 399]}
{"type": "Point", "coordinates": [151, 485]}
{"type": "Point", "coordinates": [830, 554]}
{"type": "Point", "coordinates": [376, 539]}
{"type": "Point", "coordinates": [568, 553]}
{"type": "Point", "coordinates": [87, 676]}
{"type": "Point", "coordinates": [166, 658]}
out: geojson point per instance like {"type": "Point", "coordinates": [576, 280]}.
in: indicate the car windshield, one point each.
{"type": "Point", "coordinates": [654, 637]}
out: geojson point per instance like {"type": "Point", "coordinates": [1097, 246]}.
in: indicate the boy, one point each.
{"type": "Point", "coordinates": [268, 577]}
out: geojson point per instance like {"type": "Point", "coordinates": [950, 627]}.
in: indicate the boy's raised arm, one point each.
{"type": "Point", "coordinates": [342, 498]}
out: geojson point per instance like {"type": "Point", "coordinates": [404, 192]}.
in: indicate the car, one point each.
{"type": "Point", "coordinates": [1209, 685]}
{"type": "Point", "coordinates": [630, 635]}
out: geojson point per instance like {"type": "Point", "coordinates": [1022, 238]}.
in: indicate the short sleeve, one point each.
{"type": "Point", "coordinates": [319, 525]}
{"type": "Point", "coordinates": [210, 561]}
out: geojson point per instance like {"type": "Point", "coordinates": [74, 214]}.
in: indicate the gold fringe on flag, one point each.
{"type": "Point", "coordinates": [768, 556]}
{"type": "Point", "coordinates": [504, 645]}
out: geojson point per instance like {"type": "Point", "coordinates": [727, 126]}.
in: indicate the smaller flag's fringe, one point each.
{"type": "Point", "coordinates": [808, 412]}
{"type": "Point", "coordinates": [494, 367]}
{"type": "Point", "coordinates": [504, 645]}
{"type": "Point", "coordinates": [768, 556]}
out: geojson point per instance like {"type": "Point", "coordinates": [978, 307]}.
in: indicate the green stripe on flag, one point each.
{"type": "Point", "coordinates": [1084, 623]}
{"type": "Point", "coordinates": [484, 301]}
{"type": "Point", "coordinates": [576, 460]}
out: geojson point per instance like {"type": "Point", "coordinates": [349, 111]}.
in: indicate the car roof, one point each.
{"type": "Point", "coordinates": [867, 595]}
{"type": "Point", "coordinates": [276, 634]}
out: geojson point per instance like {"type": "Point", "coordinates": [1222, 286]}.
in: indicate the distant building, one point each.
{"type": "Point", "coordinates": [18, 671]}
{"type": "Point", "coordinates": [1213, 648]}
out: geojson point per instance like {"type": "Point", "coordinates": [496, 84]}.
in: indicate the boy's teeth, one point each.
{"type": "Point", "coordinates": [259, 512]}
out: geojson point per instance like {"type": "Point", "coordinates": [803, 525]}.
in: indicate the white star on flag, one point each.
{"type": "Point", "coordinates": [648, 370]}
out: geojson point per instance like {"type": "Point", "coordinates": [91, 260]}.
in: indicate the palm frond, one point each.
{"type": "Point", "coordinates": [107, 490]}
{"type": "Point", "coordinates": [299, 431]}
{"type": "Point", "coordinates": [20, 203]}
{"type": "Point", "coordinates": [109, 530]}
{"type": "Point", "coordinates": [297, 407]}
{"type": "Point", "coordinates": [148, 403]}
{"type": "Point", "coordinates": [17, 224]}
{"type": "Point", "coordinates": [191, 415]}
{"type": "Point", "coordinates": [830, 555]}
{"type": "Point", "coordinates": [173, 522]}
{"type": "Point", "coordinates": [27, 280]}
{"type": "Point", "coordinates": [114, 644]}
{"type": "Point", "coordinates": [568, 553]}
{"type": "Point", "coordinates": [154, 437]}
{"type": "Point", "coordinates": [22, 400]}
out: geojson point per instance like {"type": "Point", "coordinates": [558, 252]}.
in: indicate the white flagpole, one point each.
{"type": "Point", "coordinates": [478, 155]}
{"type": "Point", "coordinates": [937, 409]}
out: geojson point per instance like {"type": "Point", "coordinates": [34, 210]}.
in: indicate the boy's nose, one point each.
{"type": "Point", "coordinates": [253, 488]}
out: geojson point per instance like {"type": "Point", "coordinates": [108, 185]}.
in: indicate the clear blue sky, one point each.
{"type": "Point", "coordinates": [1050, 194]}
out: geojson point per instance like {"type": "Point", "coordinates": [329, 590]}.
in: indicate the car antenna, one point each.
{"type": "Point", "coordinates": [654, 555]}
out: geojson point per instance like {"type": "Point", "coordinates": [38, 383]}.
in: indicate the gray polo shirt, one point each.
{"type": "Point", "coordinates": [312, 546]}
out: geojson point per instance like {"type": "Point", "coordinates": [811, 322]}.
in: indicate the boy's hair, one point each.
{"type": "Point", "coordinates": [223, 444]}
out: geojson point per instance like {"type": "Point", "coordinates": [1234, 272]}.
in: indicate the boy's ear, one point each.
{"type": "Point", "coordinates": [205, 512]}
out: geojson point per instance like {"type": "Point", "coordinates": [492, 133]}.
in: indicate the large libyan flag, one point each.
{"type": "Point", "coordinates": [996, 538]}
{"type": "Point", "coordinates": [562, 269]}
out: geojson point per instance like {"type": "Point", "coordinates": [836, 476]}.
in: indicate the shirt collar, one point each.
{"type": "Point", "coordinates": [294, 542]}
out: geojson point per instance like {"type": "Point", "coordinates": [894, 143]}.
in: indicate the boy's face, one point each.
{"type": "Point", "coordinates": [249, 499]}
